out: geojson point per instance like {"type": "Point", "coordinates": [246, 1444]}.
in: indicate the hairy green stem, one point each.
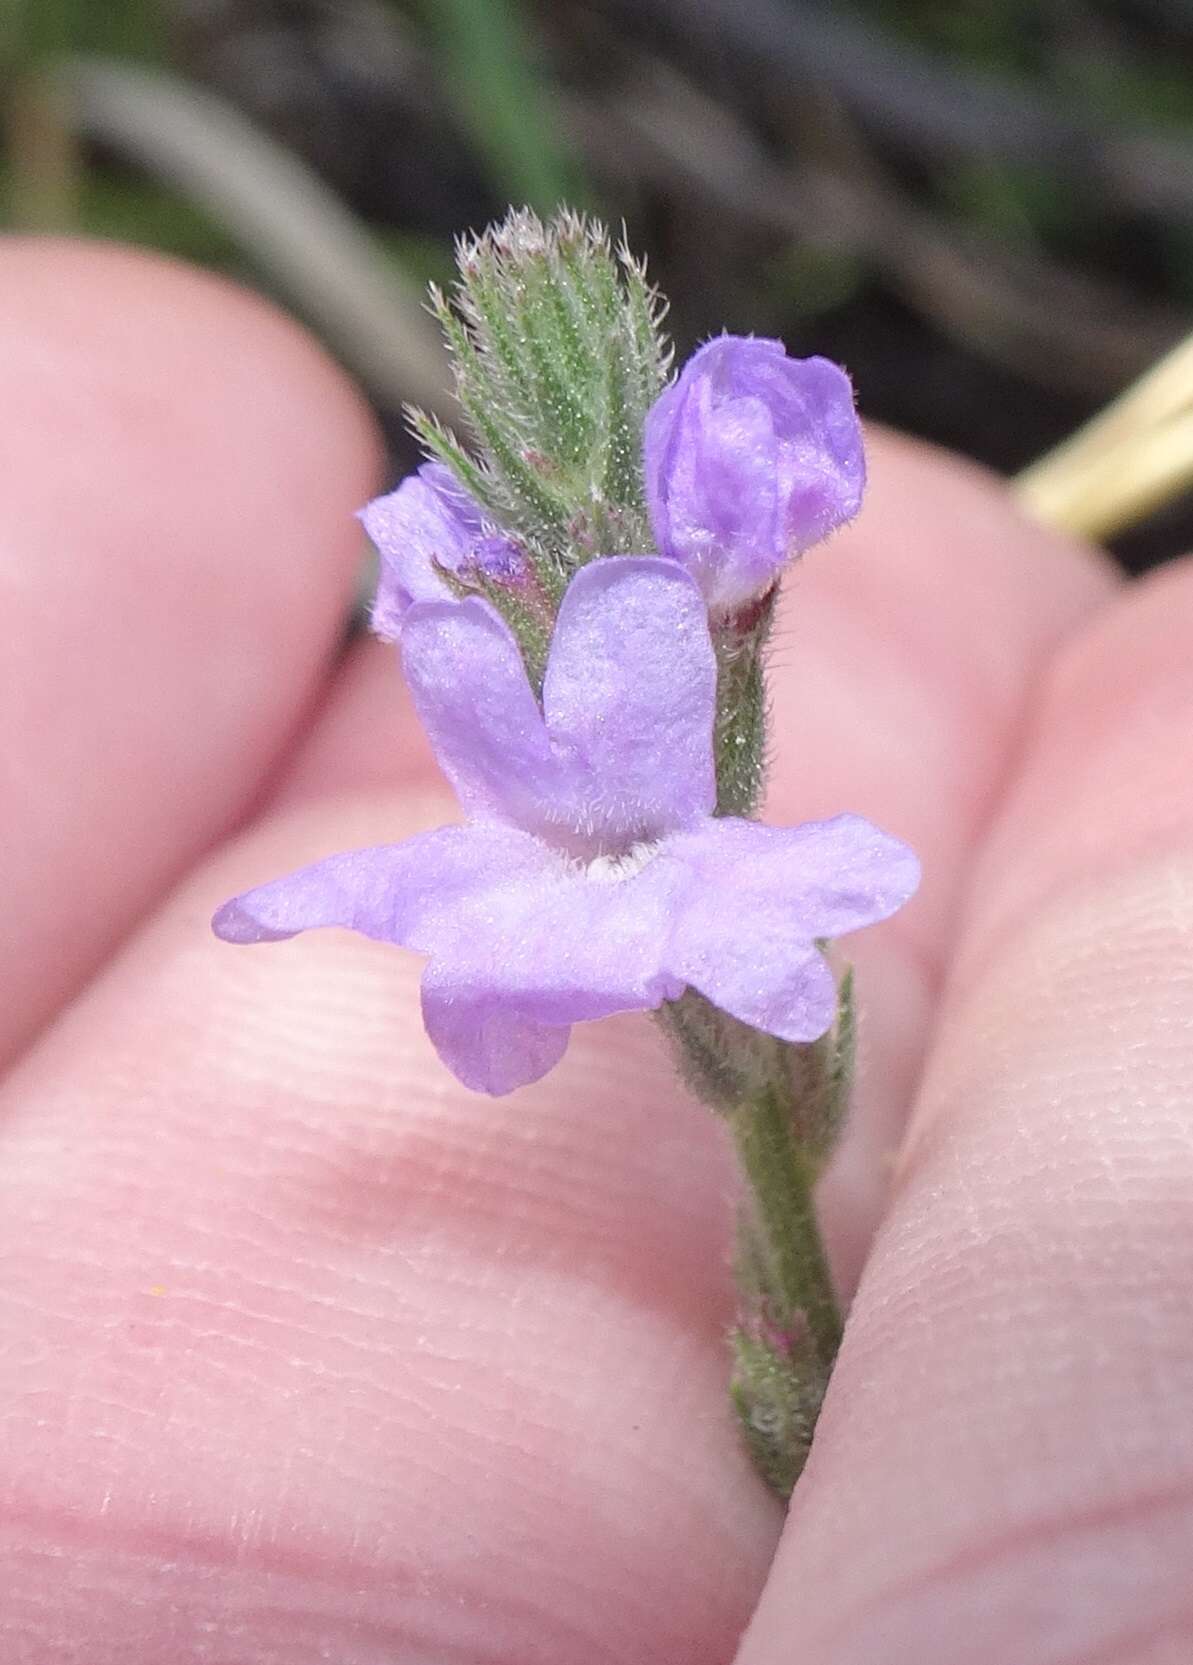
{"type": "Point", "coordinates": [784, 1106]}
{"type": "Point", "coordinates": [790, 1254]}
{"type": "Point", "coordinates": [789, 1323]}
{"type": "Point", "coordinates": [740, 738]}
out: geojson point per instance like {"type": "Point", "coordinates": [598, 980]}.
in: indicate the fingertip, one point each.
{"type": "Point", "coordinates": [383, 1297]}
{"type": "Point", "coordinates": [1105, 778]}
{"type": "Point", "coordinates": [177, 551]}
{"type": "Point", "coordinates": [1006, 1437]}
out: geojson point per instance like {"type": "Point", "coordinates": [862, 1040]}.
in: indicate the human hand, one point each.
{"type": "Point", "coordinates": [305, 1352]}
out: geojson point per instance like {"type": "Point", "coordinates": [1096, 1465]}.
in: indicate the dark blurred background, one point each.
{"type": "Point", "coordinates": [984, 210]}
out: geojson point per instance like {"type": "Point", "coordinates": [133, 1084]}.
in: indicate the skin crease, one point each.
{"type": "Point", "coordinates": [308, 1354]}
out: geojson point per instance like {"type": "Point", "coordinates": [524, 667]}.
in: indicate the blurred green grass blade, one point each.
{"type": "Point", "coordinates": [134, 29]}
{"type": "Point", "coordinates": [33, 30]}
{"type": "Point", "coordinates": [43, 164]}
{"type": "Point", "coordinates": [128, 209]}
{"type": "Point", "coordinates": [488, 68]}
{"type": "Point", "coordinates": [45, 168]}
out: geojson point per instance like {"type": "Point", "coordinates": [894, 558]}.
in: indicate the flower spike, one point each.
{"type": "Point", "coordinates": [581, 603]}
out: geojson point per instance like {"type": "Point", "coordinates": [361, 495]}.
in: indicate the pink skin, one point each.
{"type": "Point", "coordinates": [305, 1352]}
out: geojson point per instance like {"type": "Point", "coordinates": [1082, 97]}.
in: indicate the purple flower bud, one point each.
{"type": "Point", "coordinates": [751, 457]}
{"type": "Point", "coordinates": [430, 522]}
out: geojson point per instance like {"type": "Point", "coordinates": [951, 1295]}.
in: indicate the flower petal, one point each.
{"type": "Point", "coordinates": [832, 876]}
{"type": "Point", "coordinates": [749, 458]}
{"type": "Point", "coordinates": [469, 684]}
{"type": "Point", "coordinates": [758, 899]}
{"type": "Point", "coordinates": [522, 942]}
{"type": "Point", "coordinates": [549, 949]}
{"type": "Point", "coordinates": [413, 528]}
{"type": "Point", "coordinates": [411, 894]}
{"type": "Point", "coordinates": [417, 894]}
{"type": "Point", "coordinates": [487, 1045]}
{"type": "Point", "coordinates": [765, 978]}
{"type": "Point", "coordinates": [565, 947]}
{"type": "Point", "coordinates": [629, 696]}
{"type": "Point", "coordinates": [429, 522]}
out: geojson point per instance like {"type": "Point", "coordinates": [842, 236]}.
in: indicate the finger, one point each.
{"type": "Point", "coordinates": [906, 651]}
{"type": "Point", "coordinates": [315, 1355]}
{"type": "Point", "coordinates": [367, 738]}
{"type": "Point", "coordinates": [176, 552]}
{"type": "Point", "coordinates": [903, 657]}
{"type": "Point", "coordinates": [395, 1304]}
{"type": "Point", "coordinates": [1006, 1458]}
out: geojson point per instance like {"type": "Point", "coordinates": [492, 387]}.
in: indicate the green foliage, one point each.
{"type": "Point", "coordinates": [558, 353]}
{"type": "Point", "coordinates": [1004, 37]}
{"type": "Point", "coordinates": [421, 259]}
{"type": "Point", "coordinates": [489, 71]}
{"type": "Point", "coordinates": [1014, 202]}
{"type": "Point", "coordinates": [32, 31]}
{"type": "Point", "coordinates": [130, 209]}
{"type": "Point", "coordinates": [1144, 91]}
{"type": "Point", "coordinates": [809, 280]}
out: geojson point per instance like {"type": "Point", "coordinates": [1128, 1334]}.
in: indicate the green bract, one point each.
{"type": "Point", "coordinates": [558, 353]}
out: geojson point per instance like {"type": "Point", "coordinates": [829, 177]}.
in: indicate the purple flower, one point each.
{"type": "Point", "coordinates": [590, 876]}
{"type": "Point", "coordinates": [751, 457]}
{"type": "Point", "coordinates": [430, 521]}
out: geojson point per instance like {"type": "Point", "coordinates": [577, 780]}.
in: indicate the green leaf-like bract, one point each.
{"type": "Point", "coordinates": [558, 351]}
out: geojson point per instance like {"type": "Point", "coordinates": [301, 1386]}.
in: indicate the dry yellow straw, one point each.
{"type": "Point", "coordinates": [1132, 458]}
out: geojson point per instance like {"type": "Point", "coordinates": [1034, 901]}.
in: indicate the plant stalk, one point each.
{"type": "Point", "coordinates": [789, 1252]}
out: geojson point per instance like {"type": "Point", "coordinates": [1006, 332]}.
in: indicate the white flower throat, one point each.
{"type": "Point", "coordinates": [607, 870]}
